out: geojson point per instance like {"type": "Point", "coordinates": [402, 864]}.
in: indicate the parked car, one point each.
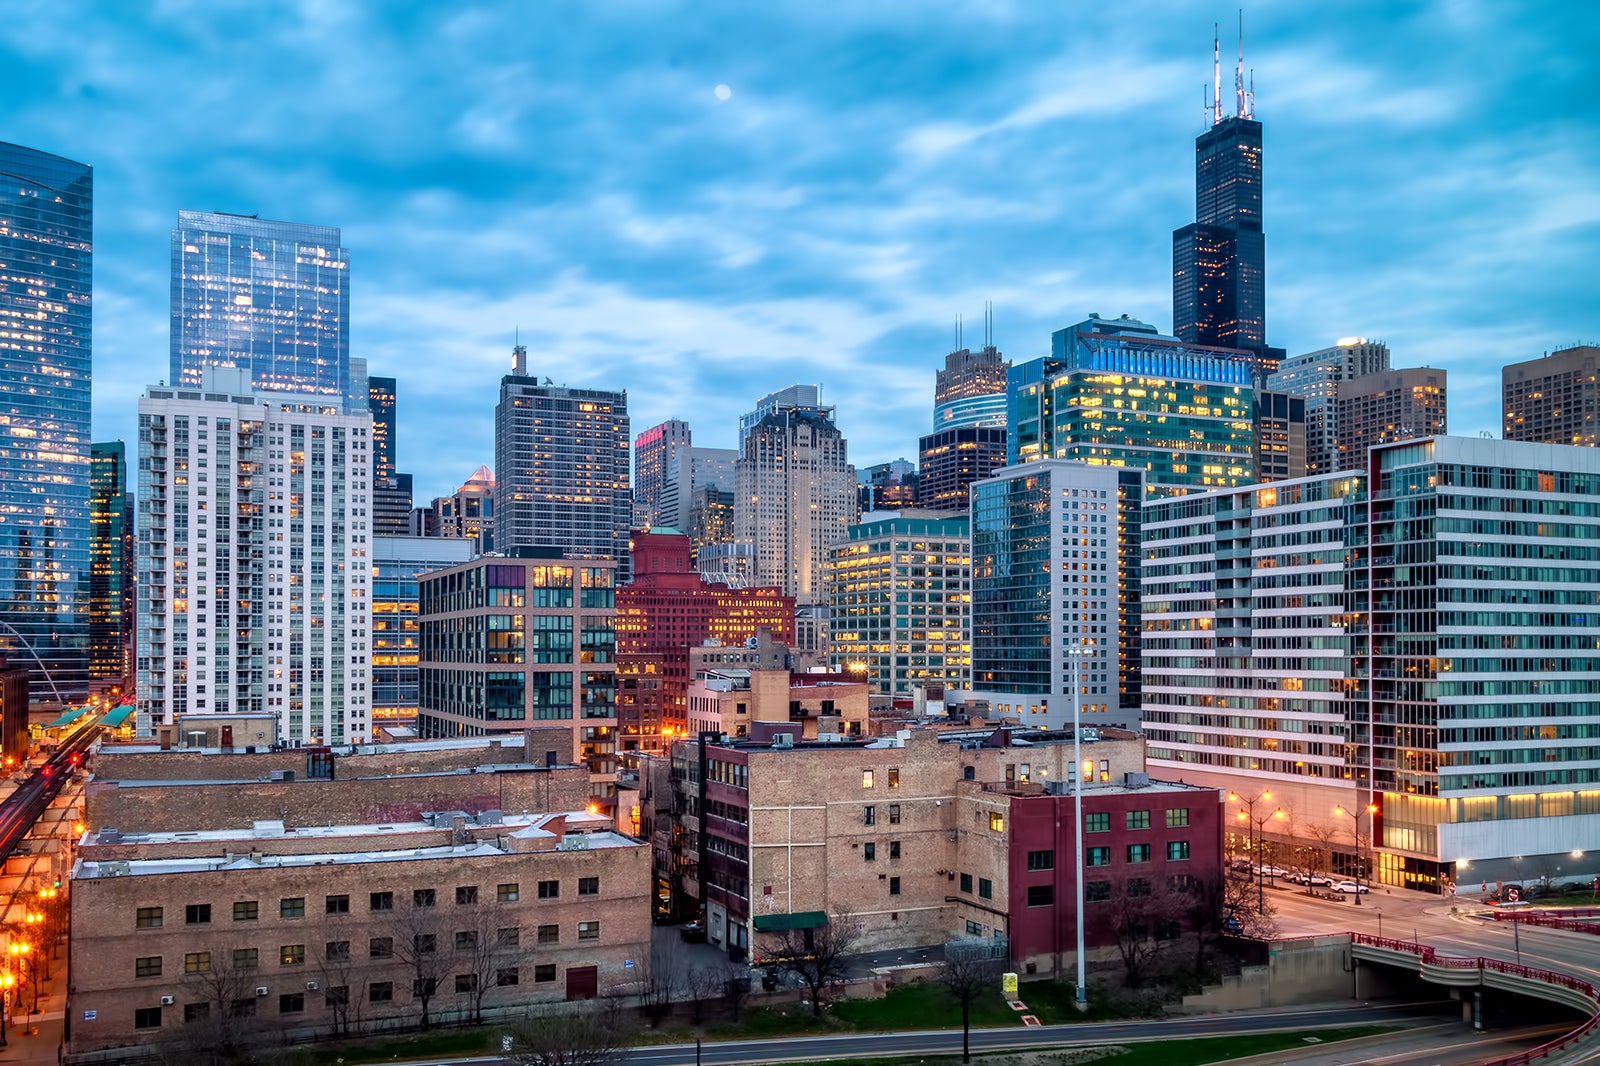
{"type": "Point", "coordinates": [1295, 877]}
{"type": "Point", "coordinates": [1349, 886]}
{"type": "Point", "coordinates": [1239, 864]}
{"type": "Point", "coordinates": [1232, 926]}
{"type": "Point", "coordinates": [1269, 871]}
{"type": "Point", "coordinates": [694, 933]}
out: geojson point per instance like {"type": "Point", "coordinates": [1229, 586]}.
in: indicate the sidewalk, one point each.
{"type": "Point", "coordinates": [36, 1038]}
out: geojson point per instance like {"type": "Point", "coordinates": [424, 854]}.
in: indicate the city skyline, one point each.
{"type": "Point", "coordinates": [705, 213]}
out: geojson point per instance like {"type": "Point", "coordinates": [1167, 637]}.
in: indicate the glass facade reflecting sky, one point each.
{"type": "Point", "coordinates": [272, 298]}
{"type": "Point", "coordinates": [46, 212]}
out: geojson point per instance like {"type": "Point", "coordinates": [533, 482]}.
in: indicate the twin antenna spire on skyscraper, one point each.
{"type": "Point", "coordinates": [1244, 97]}
{"type": "Point", "coordinates": [988, 327]}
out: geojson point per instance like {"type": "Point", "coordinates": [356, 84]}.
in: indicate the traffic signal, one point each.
{"type": "Point", "coordinates": [58, 883]}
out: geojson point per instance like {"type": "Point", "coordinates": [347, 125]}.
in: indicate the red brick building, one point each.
{"type": "Point", "coordinates": [666, 610]}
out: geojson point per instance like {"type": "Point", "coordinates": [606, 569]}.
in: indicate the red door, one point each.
{"type": "Point", "coordinates": [583, 982]}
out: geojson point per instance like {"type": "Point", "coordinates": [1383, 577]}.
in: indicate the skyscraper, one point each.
{"type": "Point", "coordinates": [398, 563]}
{"type": "Point", "coordinates": [468, 512]}
{"type": "Point", "coordinates": [46, 211]}
{"type": "Point", "coordinates": [689, 470]}
{"type": "Point", "coordinates": [795, 492]}
{"type": "Point", "coordinates": [561, 467]}
{"type": "Point", "coordinates": [1553, 400]}
{"type": "Point", "coordinates": [270, 298]}
{"type": "Point", "coordinates": [391, 490]}
{"type": "Point", "coordinates": [1316, 377]}
{"type": "Point", "coordinates": [655, 454]}
{"type": "Point", "coordinates": [110, 583]}
{"type": "Point", "coordinates": [971, 389]}
{"type": "Point", "coordinates": [1116, 392]}
{"type": "Point", "coordinates": [955, 457]}
{"type": "Point", "coordinates": [1219, 260]}
{"type": "Point", "coordinates": [1280, 429]}
{"type": "Point", "coordinates": [1394, 405]}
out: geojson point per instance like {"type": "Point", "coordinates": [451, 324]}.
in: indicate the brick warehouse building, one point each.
{"type": "Point", "coordinates": [665, 611]}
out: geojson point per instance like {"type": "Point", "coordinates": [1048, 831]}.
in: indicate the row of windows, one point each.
{"type": "Point", "coordinates": [295, 906]}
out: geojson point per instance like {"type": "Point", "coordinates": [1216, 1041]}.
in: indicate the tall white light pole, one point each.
{"type": "Point", "coordinates": [1077, 655]}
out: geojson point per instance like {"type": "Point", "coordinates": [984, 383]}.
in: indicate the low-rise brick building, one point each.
{"type": "Point", "coordinates": [731, 700]}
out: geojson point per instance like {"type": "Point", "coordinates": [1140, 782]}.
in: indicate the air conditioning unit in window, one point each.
{"type": "Point", "coordinates": [261, 990]}
{"type": "Point", "coordinates": [167, 1001]}
{"type": "Point", "coordinates": [311, 986]}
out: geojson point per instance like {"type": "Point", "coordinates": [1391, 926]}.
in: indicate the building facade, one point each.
{"type": "Point", "coordinates": [971, 389]}
{"type": "Point", "coordinates": [110, 579]}
{"type": "Point", "coordinates": [391, 490]}
{"type": "Point", "coordinates": [253, 564]}
{"type": "Point", "coordinates": [655, 455]}
{"type": "Point", "coordinates": [692, 473]}
{"type": "Point", "coordinates": [1417, 636]}
{"type": "Point", "coordinates": [398, 564]}
{"type": "Point", "coordinates": [899, 592]}
{"type": "Point", "coordinates": [1316, 376]}
{"type": "Point", "coordinates": [269, 298]}
{"type": "Point", "coordinates": [1055, 593]}
{"type": "Point", "coordinates": [890, 486]}
{"type": "Point", "coordinates": [1553, 400]}
{"type": "Point", "coordinates": [952, 459]}
{"type": "Point", "coordinates": [46, 260]}
{"type": "Point", "coordinates": [1115, 392]}
{"type": "Point", "coordinates": [561, 468]}
{"type": "Point", "coordinates": [1280, 430]}
{"type": "Point", "coordinates": [1395, 405]}
{"type": "Point", "coordinates": [512, 643]}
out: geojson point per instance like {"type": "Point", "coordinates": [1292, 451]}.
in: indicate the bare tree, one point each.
{"type": "Point", "coordinates": [487, 956]}
{"type": "Point", "coordinates": [658, 986]}
{"type": "Point", "coordinates": [735, 986]}
{"type": "Point", "coordinates": [594, 1034]}
{"type": "Point", "coordinates": [1136, 919]}
{"type": "Point", "coordinates": [969, 968]}
{"type": "Point", "coordinates": [416, 931]}
{"type": "Point", "coordinates": [1253, 910]}
{"type": "Point", "coordinates": [219, 1008]}
{"type": "Point", "coordinates": [704, 983]}
{"type": "Point", "coordinates": [1204, 908]}
{"type": "Point", "coordinates": [818, 956]}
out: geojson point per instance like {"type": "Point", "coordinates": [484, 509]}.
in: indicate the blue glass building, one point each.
{"type": "Point", "coordinates": [46, 216]}
{"type": "Point", "coordinates": [272, 298]}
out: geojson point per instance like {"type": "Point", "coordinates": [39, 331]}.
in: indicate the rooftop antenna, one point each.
{"type": "Point", "coordinates": [1243, 102]}
{"type": "Point", "coordinates": [958, 333]}
{"type": "Point", "coordinates": [988, 323]}
{"type": "Point", "coordinates": [1250, 94]}
{"type": "Point", "coordinates": [1216, 74]}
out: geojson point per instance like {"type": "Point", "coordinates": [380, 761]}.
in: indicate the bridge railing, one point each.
{"type": "Point", "coordinates": [1571, 922]}
{"type": "Point", "coordinates": [1427, 956]}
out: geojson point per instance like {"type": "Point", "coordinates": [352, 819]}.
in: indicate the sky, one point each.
{"type": "Point", "coordinates": [704, 202]}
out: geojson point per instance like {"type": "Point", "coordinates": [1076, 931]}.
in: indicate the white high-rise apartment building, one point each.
{"type": "Point", "coordinates": [794, 493]}
{"type": "Point", "coordinates": [253, 560]}
{"type": "Point", "coordinates": [1316, 377]}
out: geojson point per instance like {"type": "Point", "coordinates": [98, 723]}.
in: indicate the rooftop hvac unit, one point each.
{"type": "Point", "coordinates": [576, 842]}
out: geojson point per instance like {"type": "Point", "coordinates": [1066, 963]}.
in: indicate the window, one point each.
{"type": "Point", "coordinates": [147, 918]}
{"type": "Point", "coordinates": [197, 914]}
{"type": "Point", "coordinates": [894, 886]}
{"type": "Point", "coordinates": [291, 955]}
{"type": "Point", "coordinates": [549, 889]}
{"type": "Point", "coordinates": [894, 814]}
{"type": "Point", "coordinates": [149, 966]}
{"type": "Point", "coordinates": [196, 1012]}
{"type": "Point", "coordinates": [544, 971]}
{"type": "Point", "coordinates": [1097, 857]}
{"type": "Point", "coordinates": [1138, 852]}
{"type": "Point", "coordinates": [1177, 818]}
{"type": "Point", "coordinates": [1041, 895]}
{"type": "Point", "coordinates": [1138, 819]}
{"type": "Point", "coordinates": [997, 822]}
{"type": "Point", "coordinates": [1041, 860]}
{"type": "Point", "coordinates": [337, 905]}
{"type": "Point", "coordinates": [293, 907]}
{"type": "Point", "coordinates": [381, 901]}
{"type": "Point", "coordinates": [506, 977]}
{"type": "Point", "coordinates": [380, 991]}
{"type": "Point", "coordinates": [147, 1018]}
{"type": "Point", "coordinates": [985, 888]}
{"type": "Point", "coordinates": [380, 947]}
{"type": "Point", "coordinates": [1097, 823]}
{"type": "Point", "coordinates": [466, 983]}
{"type": "Point", "coordinates": [549, 934]}
{"type": "Point", "coordinates": [1138, 886]}
{"type": "Point", "coordinates": [1096, 891]}
{"type": "Point", "coordinates": [1177, 850]}
{"type": "Point", "coordinates": [291, 1003]}
{"type": "Point", "coordinates": [466, 939]}
{"type": "Point", "coordinates": [507, 893]}
{"type": "Point", "coordinates": [246, 958]}
{"type": "Point", "coordinates": [424, 943]}
{"type": "Point", "coordinates": [509, 937]}
{"type": "Point", "coordinates": [973, 928]}
{"type": "Point", "coordinates": [894, 777]}
{"type": "Point", "coordinates": [247, 911]}
{"type": "Point", "coordinates": [466, 894]}
{"type": "Point", "coordinates": [894, 849]}
{"type": "Point", "coordinates": [197, 962]}
{"type": "Point", "coordinates": [869, 816]}
{"type": "Point", "coordinates": [336, 951]}
{"type": "Point", "coordinates": [588, 886]}
{"type": "Point", "coordinates": [866, 779]}
{"type": "Point", "coordinates": [424, 897]}
{"type": "Point", "coordinates": [869, 852]}
{"type": "Point", "coordinates": [588, 930]}
{"type": "Point", "coordinates": [966, 883]}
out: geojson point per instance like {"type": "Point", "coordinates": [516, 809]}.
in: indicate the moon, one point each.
{"type": "Point", "coordinates": [722, 92]}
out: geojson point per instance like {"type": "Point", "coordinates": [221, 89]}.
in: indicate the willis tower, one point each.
{"type": "Point", "coordinates": [1219, 262]}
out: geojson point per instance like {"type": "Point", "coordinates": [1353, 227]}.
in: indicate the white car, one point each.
{"type": "Point", "coordinates": [1349, 886]}
{"type": "Point", "coordinates": [1269, 871]}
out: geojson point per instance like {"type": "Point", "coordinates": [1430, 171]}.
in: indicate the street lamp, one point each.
{"type": "Point", "coordinates": [1355, 835]}
{"type": "Point", "coordinates": [1077, 655]}
{"type": "Point", "coordinates": [1251, 819]}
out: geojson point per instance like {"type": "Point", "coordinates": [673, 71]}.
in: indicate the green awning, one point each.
{"type": "Point", "coordinates": [118, 715]}
{"type": "Point", "coordinates": [68, 718]}
{"type": "Point", "coordinates": [777, 923]}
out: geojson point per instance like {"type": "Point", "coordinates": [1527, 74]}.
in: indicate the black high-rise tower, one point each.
{"type": "Point", "coordinates": [1219, 261]}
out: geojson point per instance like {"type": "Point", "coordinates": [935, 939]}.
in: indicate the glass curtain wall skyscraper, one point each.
{"type": "Point", "coordinates": [269, 298]}
{"type": "Point", "coordinates": [46, 214]}
{"type": "Point", "coordinates": [110, 582]}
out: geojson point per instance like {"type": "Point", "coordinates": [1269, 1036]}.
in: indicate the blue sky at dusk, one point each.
{"type": "Point", "coordinates": [570, 170]}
